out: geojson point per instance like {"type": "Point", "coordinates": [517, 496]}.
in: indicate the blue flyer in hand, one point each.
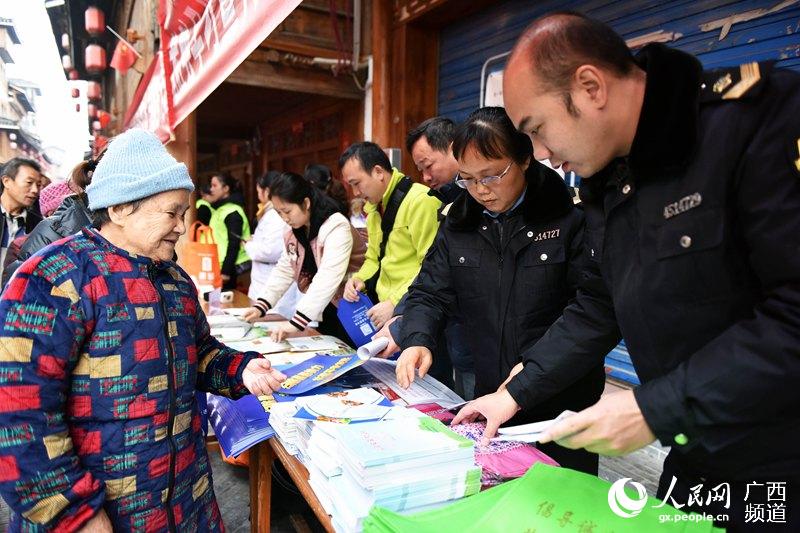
{"type": "Point", "coordinates": [240, 424]}
{"type": "Point", "coordinates": [354, 319]}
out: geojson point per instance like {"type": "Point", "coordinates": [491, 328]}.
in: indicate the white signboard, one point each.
{"type": "Point", "coordinates": [494, 89]}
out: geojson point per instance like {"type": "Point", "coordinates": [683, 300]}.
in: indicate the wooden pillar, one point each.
{"type": "Point", "coordinates": [419, 88]}
{"type": "Point", "coordinates": [381, 57]}
{"type": "Point", "coordinates": [260, 470]}
{"type": "Point", "coordinates": [184, 148]}
{"type": "Point", "coordinates": [404, 77]}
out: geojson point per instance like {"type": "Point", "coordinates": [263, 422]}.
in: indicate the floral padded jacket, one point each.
{"type": "Point", "coordinates": [101, 354]}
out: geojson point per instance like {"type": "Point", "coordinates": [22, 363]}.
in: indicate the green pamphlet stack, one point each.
{"type": "Point", "coordinates": [547, 498]}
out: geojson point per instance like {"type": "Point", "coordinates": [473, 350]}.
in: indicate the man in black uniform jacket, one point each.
{"type": "Point", "coordinates": [691, 190]}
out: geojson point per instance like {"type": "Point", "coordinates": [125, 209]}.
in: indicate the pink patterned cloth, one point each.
{"type": "Point", "coordinates": [500, 460]}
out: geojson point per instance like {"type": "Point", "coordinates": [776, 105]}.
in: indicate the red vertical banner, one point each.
{"type": "Point", "coordinates": [148, 108]}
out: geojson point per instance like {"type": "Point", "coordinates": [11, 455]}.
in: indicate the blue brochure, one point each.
{"type": "Point", "coordinates": [240, 424]}
{"type": "Point", "coordinates": [318, 370]}
{"type": "Point", "coordinates": [324, 389]}
{"type": "Point", "coordinates": [354, 319]}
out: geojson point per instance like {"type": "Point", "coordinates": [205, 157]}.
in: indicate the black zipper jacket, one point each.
{"type": "Point", "coordinates": [508, 279]}
{"type": "Point", "coordinates": [694, 248]}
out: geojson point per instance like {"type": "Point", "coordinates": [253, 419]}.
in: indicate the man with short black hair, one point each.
{"type": "Point", "coordinates": [401, 223]}
{"type": "Point", "coordinates": [691, 191]}
{"type": "Point", "coordinates": [429, 146]}
{"type": "Point", "coordinates": [20, 193]}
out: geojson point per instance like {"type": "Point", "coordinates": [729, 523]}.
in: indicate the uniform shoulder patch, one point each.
{"type": "Point", "coordinates": [795, 154]}
{"type": "Point", "coordinates": [733, 83]}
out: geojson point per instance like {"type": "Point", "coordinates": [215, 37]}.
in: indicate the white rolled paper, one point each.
{"type": "Point", "coordinates": [372, 348]}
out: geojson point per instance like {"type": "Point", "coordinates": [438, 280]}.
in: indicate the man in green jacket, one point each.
{"type": "Point", "coordinates": [395, 206]}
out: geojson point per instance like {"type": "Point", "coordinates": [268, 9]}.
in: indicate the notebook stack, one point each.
{"type": "Point", "coordinates": [229, 328]}
{"type": "Point", "coordinates": [405, 464]}
{"type": "Point", "coordinates": [316, 416]}
{"type": "Point", "coordinates": [317, 446]}
{"type": "Point", "coordinates": [281, 418]}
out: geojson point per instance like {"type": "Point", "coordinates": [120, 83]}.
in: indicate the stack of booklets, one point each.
{"type": "Point", "coordinates": [408, 464]}
{"type": "Point", "coordinates": [295, 418]}
{"type": "Point", "coordinates": [281, 418]}
{"type": "Point", "coordinates": [317, 447]}
{"type": "Point", "coordinates": [230, 328]}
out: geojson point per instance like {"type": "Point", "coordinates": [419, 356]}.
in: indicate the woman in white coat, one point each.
{"type": "Point", "coordinates": [320, 250]}
{"type": "Point", "coordinates": [266, 245]}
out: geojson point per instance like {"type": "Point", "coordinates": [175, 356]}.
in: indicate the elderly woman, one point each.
{"type": "Point", "coordinates": [102, 349]}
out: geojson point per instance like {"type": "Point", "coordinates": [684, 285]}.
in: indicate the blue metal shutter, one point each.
{"type": "Point", "coordinates": [467, 44]}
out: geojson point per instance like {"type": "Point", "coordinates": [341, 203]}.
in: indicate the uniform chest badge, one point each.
{"type": "Point", "coordinates": [545, 235]}
{"type": "Point", "coordinates": [684, 204]}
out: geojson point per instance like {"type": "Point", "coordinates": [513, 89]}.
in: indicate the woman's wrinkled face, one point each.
{"type": "Point", "coordinates": [153, 229]}
{"type": "Point", "coordinates": [296, 215]}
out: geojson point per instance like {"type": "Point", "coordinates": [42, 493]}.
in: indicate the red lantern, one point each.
{"type": "Point", "coordinates": [95, 58]}
{"type": "Point", "coordinates": [95, 21]}
{"type": "Point", "coordinates": [76, 92]}
{"type": "Point", "coordinates": [92, 110]}
{"type": "Point", "coordinates": [94, 90]}
{"type": "Point", "coordinates": [73, 74]}
{"type": "Point", "coordinates": [104, 117]}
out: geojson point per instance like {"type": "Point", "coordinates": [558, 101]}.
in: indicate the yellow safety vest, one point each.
{"type": "Point", "coordinates": [221, 232]}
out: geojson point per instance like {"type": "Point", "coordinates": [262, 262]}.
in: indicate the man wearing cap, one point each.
{"type": "Point", "coordinates": [102, 348]}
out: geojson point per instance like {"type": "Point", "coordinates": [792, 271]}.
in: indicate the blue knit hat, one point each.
{"type": "Point", "coordinates": [136, 165]}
